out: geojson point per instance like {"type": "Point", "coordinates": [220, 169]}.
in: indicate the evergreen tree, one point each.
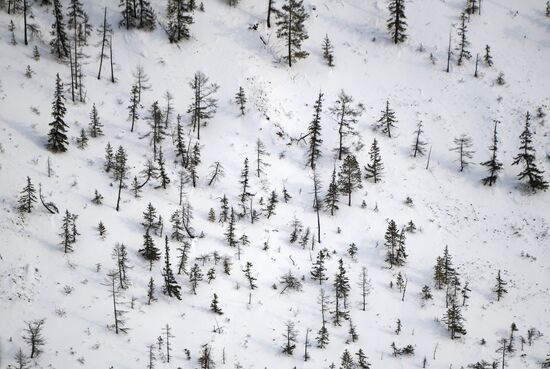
{"type": "Point", "coordinates": [393, 244]}
{"type": "Point", "coordinates": [500, 287]}
{"type": "Point", "coordinates": [493, 165]}
{"type": "Point", "coordinates": [463, 43]}
{"type": "Point", "coordinates": [149, 251]}
{"type": "Point", "coordinates": [291, 29]}
{"type": "Point", "coordinates": [195, 276]}
{"type": "Point", "coordinates": [346, 360]}
{"type": "Point", "coordinates": [328, 51]}
{"type": "Point", "coordinates": [171, 287]}
{"type": "Point", "coordinates": [454, 320]}
{"type": "Point", "coordinates": [120, 171]}
{"type": "Point", "coordinates": [318, 270]}
{"type": "Point", "coordinates": [230, 233]}
{"type": "Point", "coordinates": [240, 100]}
{"type": "Point", "coordinates": [526, 156]}
{"type": "Point", "coordinates": [164, 179]}
{"type": "Point", "coordinates": [128, 14]}
{"type": "Point", "coordinates": [248, 274]}
{"type": "Point", "coordinates": [82, 140]}
{"type": "Point", "coordinates": [101, 229]}
{"type": "Point", "coordinates": [33, 337]}
{"type": "Point", "coordinates": [396, 22]}
{"type": "Point", "coordinates": [204, 105]}
{"type": "Point", "coordinates": [120, 254]}
{"type": "Point", "coordinates": [35, 53]}
{"type": "Point", "coordinates": [133, 114]}
{"type": "Point", "coordinates": [67, 239]}
{"type": "Point", "coordinates": [341, 289]}
{"type": "Point", "coordinates": [289, 335]}
{"type": "Point", "coordinates": [105, 31]}
{"type": "Point", "coordinates": [271, 204]}
{"type": "Point", "coordinates": [146, 17]}
{"type": "Point", "coordinates": [151, 291]}
{"type": "Point", "coordinates": [57, 139]}
{"type": "Point", "coordinates": [27, 197]}
{"type": "Point", "coordinates": [177, 226]}
{"type": "Point", "coordinates": [323, 335]}
{"type": "Point", "coordinates": [418, 144]}
{"type": "Point", "coordinates": [179, 19]}
{"type": "Point", "coordinates": [471, 6]}
{"type": "Point", "coordinates": [463, 143]}
{"type": "Point", "coordinates": [346, 115]}
{"type": "Point", "coordinates": [214, 306]}
{"type": "Point", "coordinates": [487, 57]}
{"type": "Point", "coordinates": [22, 361]}
{"type": "Point", "coordinates": [118, 315]}
{"type": "Point", "coordinates": [59, 43]}
{"type": "Point", "coordinates": [261, 153]}
{"type": "Point", "coordinates": [331, 198]}
{"type": "Point", "coordinates": [375, 167]}
{"type": "Point", "coordinates": [95, 123]}
{"type": "Point", "coordinates": [314, 133]}
{"type": "Point", "coordinates": [387, 121]}
{"type": "Point", "coordinates": [349, 178]}
{"type": "Point", "coordinates": [362, 360]}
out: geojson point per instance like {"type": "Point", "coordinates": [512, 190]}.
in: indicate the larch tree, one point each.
{"type": "Point", "coordinates": [204, 104]}
{"type": "Point", "coordinates": [345, 114]}
{"type": "Point", "coordinates": [27, 197]}
{"type": "Point", "coordinates": [120, 172]}
{"type": "Point", "coordinates": [291, 29]}
{"type": "Point", "coordinates": [418, 146]}
{"type": "Point", "coordinates": [387, 121]}
{"type": "Point", "coordinates": [463, 143]}
{"type": "Point", "coordinates": [463, 43]}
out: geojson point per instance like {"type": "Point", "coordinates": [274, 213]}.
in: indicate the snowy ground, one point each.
{"type": "Point", "coordinates": [486, 229]}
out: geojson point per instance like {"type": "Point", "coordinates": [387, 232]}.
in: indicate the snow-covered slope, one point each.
{"type": "Point", "coordinates": [486, 229]}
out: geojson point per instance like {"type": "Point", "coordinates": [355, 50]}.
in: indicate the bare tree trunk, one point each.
{"type": "Point", "coordinates": [103, 43]}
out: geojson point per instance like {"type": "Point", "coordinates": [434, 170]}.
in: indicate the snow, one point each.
{"type": "Point", "coordinates": [486, 228]}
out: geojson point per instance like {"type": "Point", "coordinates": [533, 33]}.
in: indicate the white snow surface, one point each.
{"type": "Point", "coordinates": [486, 228]}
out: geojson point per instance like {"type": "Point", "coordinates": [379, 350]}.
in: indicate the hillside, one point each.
{"type": "Point", "coordinates": [503, 228]}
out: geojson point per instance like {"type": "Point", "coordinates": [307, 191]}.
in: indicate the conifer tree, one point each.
{"type": "Point", "coordinates": [328, 51]}
{"type": "Point", "coordinates": [133, 114]}
{"type": "Point", "coordinates": [149, 251]}
{"type": "Point", "coordinates": [34, 338]}
{"type": "Point", "coordinates": [314, 133]}
{"type": "Point", "coordinates": [82, 140]}
{"type": "Point", "coordinates": [261, 153]}
{"type": "Point", "coordinates": [101, 229]}
{"type": "Point", "coordinates": [463, 44]}
{"type": "Point", "coordinates": [463, 143]}
{"type": "Point", "coordinates": [365, 287]}
{"type": "Point", "coordinates": [500, 287]}
{"type": "Point", "coordinates": [245, 194]}
{"type": "Point", "coordinates": [240, 100]}
{"type": "Point", "coordinates": [323, 335]}
{"type": "Point", "coordinates": [195, 276]}
{"type": "Point", "coordinates": [163, 176]}
{"type": "Point", "coordinates": [216, 174]}
{"type": "Point", "coordinates": [471, 7]}
{"type": "Point", "coordinates": [95, 123]}
{"type": "Point", "coordinates": [67, 239]}
{"type": "Point", "coordinates": [318, 270]}
{"type": "Point", "coordinates": [271, 204]}
{"type": "Point", "coordinates": [333, 192]}
{"type": "Point", "coordinates": [184, 257]}
{"type": "Point", "coordinates": [493, 165]}
{"type": "Point", "coordinates": [120, 254]}
{"type": "Point", "coordinates": [349, 177]}
{"type": "Point", "coordinates": [35, 53]}
{"type": "Point", "coordinates": [418, 144]}
{"type": "Point", "coordinates": [487, 57]}
{"type": "Point", "coordinates": [59, 43]}
{"type": "Point", "coordinates": [392, 244]}
{"type": "Point", "coordinates": [345, 114]}
{"type": "Point", "coordinates": [177, 226]}
{"type": "Point", "coordinates": [120, 171]}
{"type": "Point", "coordinates": [526, 157]}
{"type": "Point", "coordinates": [118, 315]}
{"type": "Point", "coordinates": [291, 29]}
{"type": "Point", "coordinates": [289, 335]}
{"type": "Point", "coordinates": [396, 22]}
{"type": "Point", "coordinates": [151, 291]}
{"type": "Point", "coordinates": [171, 287]}
{"type": "Point", "coordinates": [105, 32]}
{"type": "Point", "coordinates": [214, 305]}
{"type": "Point", "coordinates": [230, 233]}
{"type": "Point", "coordinates": [375, 167]}
{"type": "Point", "coordinates": [204, 104]}
{"type": "Point", "coordinates": [341, 289]}
{"type": "Point", "coordinates": [128, 14]}
{"type": "Point", "coordinates": [454, 320]}
{"type": "Point", "coordinates": [22, 361]}
{"type": "Point", "coordinates": [362, 360]}
{"type": "Point", "coordinates": [548, 15]}
{"type": "Point", "coordinates": [249, 277]}
{"type": "Point", "coordinates": [346, 361]}
{"type": "Point", "coordinates": [146, 17]}
{"type": "Point", "coordinates": [179, 19]}
{"type": "Point", "coordinates": [387, 121]}
{"type": "Point", "coordinates": [57, 139]}
{"type": "Point", "coordinates": [27, 197]}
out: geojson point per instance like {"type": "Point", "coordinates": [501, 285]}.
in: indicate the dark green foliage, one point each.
{"type": "Point", "coordinates": [349, 177]}
{"type": "Point", "coordinates": [248, 274]}
{"type": "Point", "coordinates": [526, 157]}
{"type": "Point", "coordinates": [500, 287]}
{"type": "Point", "coordinates": [375, 167]}
{"type": "Point", "coordinates": [454, 320]}
{"type": "Point", "coordinates": [291, 29]}
{"type": "Point", "coordinates": [195, 276]}
{"type": "Point", "coordinates": [240, 100]}
{"type": "Point", "coordinates": [289, 335]}
{"type": "Point", "coordinates": [314, 133]}
{"type": "Point", "coordinates": [328, 51]}
{"type": "Point", "coordinates": [396, 22]}
{"type": "Point", "coordinates": [463, 43]}
{"type": "Point", "coordinates": [387, 121]}
{"type": "Point", "coordinates": [342, 288]}
{"type": "Point", "coordinates": [394, 241]}
{"type": "Point", "coordinates": [418, 144]}
{"type": "Point", "coordinates": [333, 192]}
{"type": "Point", "coordinates": [95, 123]}
{"type": "Point", "coordinates": [319, 271]}
{"type": "Point", "coordinates": [27, 197]}
{"type": "Point", "coordinates": [171, 287]}
{"type": "Point", "coordinates": [179, 19]}
{"type": "Point", "coordinates": [149, 251]}
{"type": "Point", "coordinates": [59, 43]}
{"type": "Point", "coordinates": [57, 138]}
{"type": "Point", "coordinates": [493, 165]}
